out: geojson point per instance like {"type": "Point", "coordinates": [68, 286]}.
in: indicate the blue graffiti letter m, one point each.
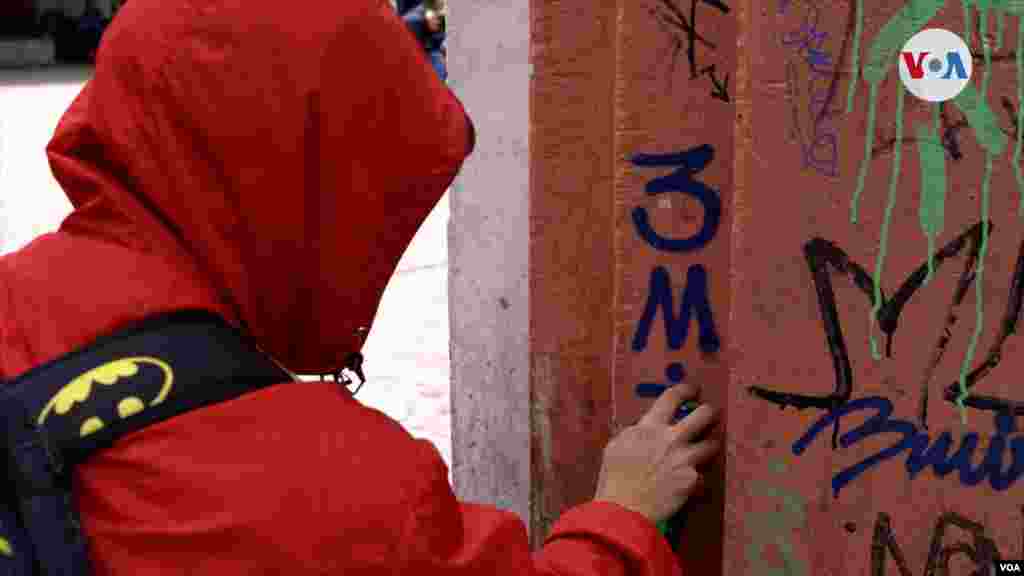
{"type": "Point", "coordinates": [695, 299]}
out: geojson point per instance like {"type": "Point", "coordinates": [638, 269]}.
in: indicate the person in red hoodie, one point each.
{"type": "Point", "coordinates": [217, 160]}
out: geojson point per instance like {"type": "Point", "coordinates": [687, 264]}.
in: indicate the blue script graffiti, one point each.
{"type": "Point", "coordinates": [694, 301]}
{"type": "Point", "coordinates": [922, 451]}
{"type": "Point", "coordinates": [808, 43]}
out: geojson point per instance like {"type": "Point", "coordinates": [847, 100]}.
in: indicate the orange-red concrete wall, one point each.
{"type": "Point", "coordinates": [880, 463]}
{"type": "Point", "coordinates": [860, 479]}
{"type": "Point", "coordinates": [631, 211]}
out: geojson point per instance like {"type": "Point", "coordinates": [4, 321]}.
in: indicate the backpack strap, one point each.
{"type": "Point", "coordinates": [58, 414]}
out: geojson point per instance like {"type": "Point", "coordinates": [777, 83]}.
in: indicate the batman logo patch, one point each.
{"type": "Point", "coordinates": [117, 389]}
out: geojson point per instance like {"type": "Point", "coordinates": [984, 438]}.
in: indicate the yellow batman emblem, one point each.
{"type": "Point", "coordinates": [81, 388]}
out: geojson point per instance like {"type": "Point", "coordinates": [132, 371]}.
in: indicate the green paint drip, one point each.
{"type": "Point", "coordinates": [887, 221]}
{"type": "Point", "coordinates": [986, 77]}
{"type": "Point", "coordinates": [931, 211]}
{"type": "Point", "coordinates": [979, 296]}
{"type": "Point", "coordinates": [775, 527]}
{"type": "Point", "coordinates": [967, 22]}
{"type": "Point", "coordinates": [881, 54]}
{"type": "Point", "coordinates": [982, 120]}
{"type": "Point", "coordinates": [865, 162]}
{"type": "Point", "coordinates": [1000, 28]}
{"type": "Point", "coordinates": [911, 19]}
{"type": "Point", "coordinates": [1020, 118]}
{"type": "Point", "coordinates": [855, 67]}
{"type": "Point", "coordinates": [1009, 7]}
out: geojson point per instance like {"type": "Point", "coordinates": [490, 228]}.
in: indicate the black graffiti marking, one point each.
{"type": "Point", "coordinates": [977, 47]}
{"type": "Point", "coordinates": [683, 31]}
{"type": "Point", "coordinates": [883, 542]}
{"type": "Point", "coordinates": [721, 87]}
{"type": "Point", "coordinates": [821, 254]}
{"type": "Point", "coordinates": [950, 140]}
{"type": "Point", "coordinates": [963, 284]}
{"type": "Point", "coordinates": [1007, 328]}
{"type": "Point", "coordinates": [983, 552]}
{"type": "Point", "coordinates": [950, 132]}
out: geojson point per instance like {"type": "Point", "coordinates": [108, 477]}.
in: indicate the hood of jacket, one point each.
{"type": "Point", "coordinates": [289, 153]}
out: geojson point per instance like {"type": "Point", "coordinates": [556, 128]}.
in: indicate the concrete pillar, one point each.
{"type": "Point", "coordinates": [489, 66]}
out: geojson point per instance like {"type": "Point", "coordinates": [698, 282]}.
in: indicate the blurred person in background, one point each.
{"type": "Point", "coordinates": [427, 21]}
{"type": "Point", "coordinates": [90, 29]}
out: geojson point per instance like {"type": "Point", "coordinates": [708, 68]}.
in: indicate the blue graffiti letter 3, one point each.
{"type": "Point", "coordinates": [688, 163]}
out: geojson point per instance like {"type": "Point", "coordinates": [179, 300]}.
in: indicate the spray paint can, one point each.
{"type": "Point", "coordinates": [673, 527]}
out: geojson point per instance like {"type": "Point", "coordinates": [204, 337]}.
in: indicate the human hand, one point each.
{"type": "Point", "coordinates": [651, 467]}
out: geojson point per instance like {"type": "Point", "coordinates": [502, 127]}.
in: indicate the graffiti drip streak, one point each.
{"type": "Point", "coordinates": [912, 18]}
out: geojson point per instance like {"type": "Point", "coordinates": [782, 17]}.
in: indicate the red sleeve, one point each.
{"type": "Point", "coordinates": [445, 537]}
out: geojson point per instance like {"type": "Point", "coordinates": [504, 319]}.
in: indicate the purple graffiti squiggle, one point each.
{"type": "Point", "coordinates": [808, 42]}
{"type": "Point", "coordinates": [828, 166]}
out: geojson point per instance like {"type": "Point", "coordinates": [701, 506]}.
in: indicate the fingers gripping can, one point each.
{"type": "Point", "coordinates": [673, 527]}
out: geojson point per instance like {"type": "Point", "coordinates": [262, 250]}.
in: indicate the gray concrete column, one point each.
{"type": "Point", "coordinates": [489, 61]}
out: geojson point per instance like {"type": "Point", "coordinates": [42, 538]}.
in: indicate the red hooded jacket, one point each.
{"type": "Point", "coordinates": [270, 162]}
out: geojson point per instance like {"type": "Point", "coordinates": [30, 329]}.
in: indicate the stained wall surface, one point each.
{"type": "Point", "coordinates": [631, 210]}
{"type": "Point", "coordinates": [571, 234]}
{"type": "Point", "coordinates": [848, 343]}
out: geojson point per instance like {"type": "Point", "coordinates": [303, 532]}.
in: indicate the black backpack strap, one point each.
{"type": "Point", "coordinates": [60, 413]}
{"type": "Point", "coordinates": [17, 557]}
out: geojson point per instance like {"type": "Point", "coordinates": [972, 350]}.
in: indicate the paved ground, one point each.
{"type": "Point", "coordinates": [407, 350]}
